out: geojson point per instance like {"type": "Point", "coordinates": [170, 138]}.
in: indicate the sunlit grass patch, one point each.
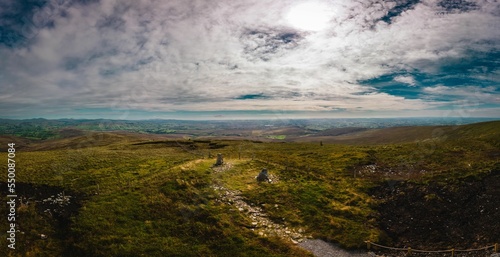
{"type": "Point", "coordinates": [278, 137]}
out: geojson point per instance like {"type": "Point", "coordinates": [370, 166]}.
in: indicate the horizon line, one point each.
{"type": "Point", "coordinates": [255, 119]}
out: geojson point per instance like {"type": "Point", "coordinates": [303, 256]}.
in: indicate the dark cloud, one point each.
{"type": "Point", "coordinates": [265, 44]}
{"type": "Point", "coordinates": [10, 37]}
{"type": "Point", "coordinates": [452, 6]}
{"type": "Point", "coordinates": [112, 22]}
{"type": "Point", "coordinates": [21, 21]}
{"type": "Point", "coordinates": [16, 20]}
{"type": "Point", "coordinates": [252, 96]}
{"type": "Point", "coordinates": [400, 7]}
{"type": "Point", "coordinates": [83, 2]}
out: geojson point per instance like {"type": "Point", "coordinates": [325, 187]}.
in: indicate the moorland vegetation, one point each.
{"type": "Point", "coordinates": [126, 194]}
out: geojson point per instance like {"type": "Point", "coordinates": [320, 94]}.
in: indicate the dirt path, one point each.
{"type": "Point", "coordinates": [263, 226]}
{"type": "Point", "coordinates": [321, 248]}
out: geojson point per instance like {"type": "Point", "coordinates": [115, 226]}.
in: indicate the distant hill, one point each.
{"type": "Point", "coordinates": [76, 139]}
{"type": "Point", "coordinates": [19, 141]}
{"type": "Point", "coordinates": [488, 131]}
{"type": "Point", "coordinates": [394, 135]}
{"type": "Point", "coordinates": [478, 131]}
{"type": "Point", "coordinates": [340, 131]}
{"type": "Point", "coordinates": [78, 134]}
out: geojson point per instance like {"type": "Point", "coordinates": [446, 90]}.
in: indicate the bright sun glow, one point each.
{"type": "Point", "coordinates": [309, 16]}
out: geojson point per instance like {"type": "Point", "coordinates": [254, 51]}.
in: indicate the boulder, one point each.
{"type": "Point", "coordinates": [263, 176]}
{"type": "Point", "coordinates": [220, 160]}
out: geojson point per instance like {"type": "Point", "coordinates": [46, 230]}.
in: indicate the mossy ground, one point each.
{"type": "Point", "coordinates": [139, 202]}
{"type": "Point", "coordinates": [155, 198]}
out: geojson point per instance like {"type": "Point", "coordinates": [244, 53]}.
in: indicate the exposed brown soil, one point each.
{"type": "Point", "coordinates": [50, 201]}
{"type": "Point", "coordinates": [54, 209]}
{"type": "Point", "coordinates": [461, 214]}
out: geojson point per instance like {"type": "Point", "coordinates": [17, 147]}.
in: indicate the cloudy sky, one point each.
{"type": "Point", "coordinates": [130, 59]}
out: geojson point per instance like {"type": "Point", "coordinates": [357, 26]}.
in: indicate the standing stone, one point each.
{"type": "Point", "coordinates": [263, 176]}
{"type": "Point", "coordinates": [220, 160]}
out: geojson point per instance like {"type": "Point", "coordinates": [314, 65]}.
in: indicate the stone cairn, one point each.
{"type": "Point", "coordinates": [263, 176]}
{"type": "Point", "coordinates": [220, 160]}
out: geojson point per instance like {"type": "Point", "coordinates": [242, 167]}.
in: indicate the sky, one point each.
{"type": "Point", "coordinates": [230, 59]}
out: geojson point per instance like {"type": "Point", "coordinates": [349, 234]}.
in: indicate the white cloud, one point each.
{"type": "Point", "coordinates": [199, 55]}
{"type": "Point", "coordinates": [410, 80]}
{"type": "Point", "coordinates": [464, 96]}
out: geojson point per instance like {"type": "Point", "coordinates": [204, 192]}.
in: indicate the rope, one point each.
{"type": "Point", "coordinates": [387, 247]}
{"type": "Point", "coordinates": [479, 249]}
{"type": "Point", "coordinates": [428, 251]}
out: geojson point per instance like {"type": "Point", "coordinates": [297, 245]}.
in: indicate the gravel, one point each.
{"type": "Point", "coordinates": [321, 248]}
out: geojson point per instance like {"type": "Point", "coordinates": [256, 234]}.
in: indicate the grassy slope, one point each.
{"type": "Point", "coordinates": [400, 135]}
{"type": "Point", "coordinates": [317, 188]}
{"type": "Point", "coordinates": [317, 195]}
{"type": "Point", "coordinates": [141, 201]}
{"type": "Point", "coordinates": [153, 200]}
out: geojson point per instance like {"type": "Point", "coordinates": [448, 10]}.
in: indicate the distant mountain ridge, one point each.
{"type": "Point", "coordinates": [71, 137]}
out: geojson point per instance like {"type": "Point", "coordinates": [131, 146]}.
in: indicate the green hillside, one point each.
{"type": "Point", "coordinates": [123, 194]}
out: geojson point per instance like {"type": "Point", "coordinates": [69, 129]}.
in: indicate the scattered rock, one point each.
{"type": "Point", "coordinates": [222, 168]}
{"type": "Point", "coordinates": [262, 225]}
{"type": "Point", "coordinates": [322, 248]}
